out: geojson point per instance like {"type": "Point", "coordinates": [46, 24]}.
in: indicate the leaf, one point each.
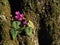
{"type": "Point", "coordinates": [16, 24]}
{"type": "Point", "coordinates": [28, 31]}
{"type": "Point", "coordinates": [14, 33]}
{"type": "Point", "coordinates": [30, 24]}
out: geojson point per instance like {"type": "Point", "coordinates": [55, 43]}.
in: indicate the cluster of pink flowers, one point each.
{"type": "Point", "coordinates": [20, 17]}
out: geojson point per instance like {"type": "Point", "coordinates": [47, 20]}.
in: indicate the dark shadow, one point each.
{"type": "Point", "coordinates": [16, 5]}
{"type": "Point", "coordinates": [0, 34]}
{"type": "Point", "coordinates": [43, 34]}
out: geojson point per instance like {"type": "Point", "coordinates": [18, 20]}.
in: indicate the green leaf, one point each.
{"type": "Point", "coordinates": [18, 23]}
{"type": "Point", "coordinates": [28, 31]}
{"type": "Point", "coordinates": [14, 33]}
{"type": "Point", "coordinates": [15, 24]}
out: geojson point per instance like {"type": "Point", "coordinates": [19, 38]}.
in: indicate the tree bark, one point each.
{"type": "Point", "coordinates": [51, 18]}
{"type": "Point", "coordinates": [56, 23]}
{"type": "Point", "coordinates": [5, 15]}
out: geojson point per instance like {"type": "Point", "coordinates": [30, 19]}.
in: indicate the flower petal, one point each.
{"type": "Point", "coordinates": [20, 19]}
{"type": "Point", "coordinates": [17, 13]}
{"type": "Point", "coordinates": [21, 15]}
{"type": "Point", "coordinates": [16, 17]}
{"type": "Point", "coordinates": [25, 22]}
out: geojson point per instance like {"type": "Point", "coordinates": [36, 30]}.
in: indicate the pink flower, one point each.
{"type": "Point", "coordinates": [17, 13]}
{"type": "Point", "coordinates": [19, 16]}
{"type": "Point", "coordinates": [16, 17]}
{"type": "Point", "coordinates": [22, 15]}
{"type": "Point", "coordinates": [20, 19]}
{"type": "Point", "coordinates": [25, 22]}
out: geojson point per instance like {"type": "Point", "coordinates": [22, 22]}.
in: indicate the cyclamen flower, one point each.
{"type": "Point", "coordinates": [16, 17]}
{"type": "Point", "coordinates": [25, 23]}
{"type": "Point", "coordinates": [17, 13]}
{"type": "Point", "coordinates": [19, 16]}
{"type": "Point", "coordinates": [20, 19]}
{"type": "Point", "coordinates": [22, 15]}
